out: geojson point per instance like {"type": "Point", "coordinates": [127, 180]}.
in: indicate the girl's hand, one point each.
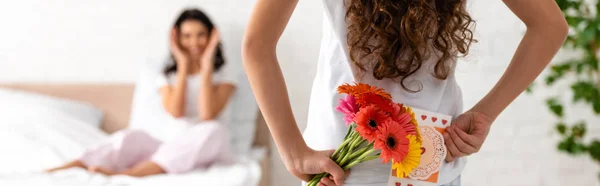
{"type": "Point", "coordinates": [180, 57]}
{"type": "Point", "coordinates": [208, 57]}
{"type": "Point", "coordinates": [466, 134]}
{"type": "Point", "coordinates": [310, 162]}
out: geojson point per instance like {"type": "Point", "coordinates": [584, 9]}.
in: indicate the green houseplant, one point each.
{"type": "Point", "coordinates": [582, 75]}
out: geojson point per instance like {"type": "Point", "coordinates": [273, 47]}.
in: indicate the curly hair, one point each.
{"type": "Point", "coordinates": [394, 37]}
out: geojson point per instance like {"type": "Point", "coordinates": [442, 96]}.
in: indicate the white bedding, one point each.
{"type": "Point", "coordinates": [33, 138]}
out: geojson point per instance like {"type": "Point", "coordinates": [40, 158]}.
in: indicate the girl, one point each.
{"type": "Point", "coordinates": [194, 90]}
{"type": "Point", "coordinates": [407, 47]}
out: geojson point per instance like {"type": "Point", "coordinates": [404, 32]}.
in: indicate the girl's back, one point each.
{"type": "Point", "coordinates": [326, 129]}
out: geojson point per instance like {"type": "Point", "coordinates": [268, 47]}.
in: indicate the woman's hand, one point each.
{"type": "Point", "coordinates": [207, 61]}
{"type": "Point", "coordinates": [180, 56]}
{"type": "Point", "coordinates": [466, 134]}
{"type": "Point", "coordinates": [309, 162]}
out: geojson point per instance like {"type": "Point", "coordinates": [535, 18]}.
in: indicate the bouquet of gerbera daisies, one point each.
{"type": "Point", "coordinates": [378, 128]}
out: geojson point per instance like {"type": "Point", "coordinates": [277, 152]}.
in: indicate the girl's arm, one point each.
{"type": "Point", "coordinates": [267, 22]}
{"type": "Point", "coordinates": [546, 32]}
{"type": "Point", "coordinates": [173, 98]}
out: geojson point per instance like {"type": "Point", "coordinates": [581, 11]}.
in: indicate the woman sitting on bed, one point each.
{"type": "Point", "coordinates": [194, 89]}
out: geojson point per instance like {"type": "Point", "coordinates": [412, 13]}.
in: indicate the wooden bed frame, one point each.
{"type": "Point", "coordinates": [115, 100]}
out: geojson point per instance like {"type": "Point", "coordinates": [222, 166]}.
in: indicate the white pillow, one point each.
{"type": "Point", "coordinates": [79, 110]}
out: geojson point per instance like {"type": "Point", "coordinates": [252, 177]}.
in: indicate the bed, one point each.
{"type": "Point", "coordinates": [115, 100]}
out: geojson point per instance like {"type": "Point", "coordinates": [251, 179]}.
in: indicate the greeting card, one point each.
{"type": "Point", "coordinates": [433, 151]}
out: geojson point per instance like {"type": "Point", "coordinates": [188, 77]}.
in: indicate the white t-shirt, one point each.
{"type": "Point", "coordinates": [326, 129]}
{"type": "Point", "coordinates": [191, 116]}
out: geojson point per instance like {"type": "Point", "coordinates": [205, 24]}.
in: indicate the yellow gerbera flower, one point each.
{"type": "Point", "coordinates": [412, 159]}
{"type": "Point", "coordinates": [408, 109]}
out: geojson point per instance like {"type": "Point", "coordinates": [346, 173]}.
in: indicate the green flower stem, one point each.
{"type": "Point", "coordinates": [364, 155]}
{"type": "Point", "coordinates": [361, 151]}
{"type": "Point", "coordinates": [343, 150]}
{"type": "Point", "coordinates": [315, 180]}
{"type": "Point", "coordinates": [350, 130]}
{"type": "Point", "coordinates": [341, 155]}
{"type": "Point", "coordinates": [369, 158]}
{"type": "Point", "coordinates": [340, 149]}
{"type": "Point", "coordinates": [356, 141]}
{"type": "Point", "coordinates": [357, 161]}
{"type": "Point", "coordinates": [350, 158]}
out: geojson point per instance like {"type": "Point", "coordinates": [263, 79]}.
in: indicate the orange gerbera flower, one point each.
{"type": "Point", "coordinates": [392, 141]}
{"type": "Point", "coordinates": [368, 121]}
{"type": "Point", "coordinates": [361, 88]}
{"type": "Point", "coordinates": [385, 105]}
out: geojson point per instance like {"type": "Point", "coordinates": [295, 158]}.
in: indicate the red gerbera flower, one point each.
{"type": "Point", "coordinates": [368, 120]}
{"type": "Point", "coordinates": [382, 103]}
{"type": "Point", "coordinates": [392, 141]}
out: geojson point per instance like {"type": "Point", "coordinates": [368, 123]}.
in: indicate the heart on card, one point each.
{"type": "Point", "coordinates": [398, 184]}
{"type": "Point", "coordinates": [409, 185]}
{"type": "Point", "coordinates": [444, 121]}
{"type": "Point", "coordinates": [434, 119]}
{"type": "Point", "coordinates": [423, 117]}
{"type": "Point", "coordinates": [423, 150]}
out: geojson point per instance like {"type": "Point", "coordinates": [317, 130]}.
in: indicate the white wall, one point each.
{"type": "Point", "coordinates": [105, 41]}
{"type": "Point", "coordinates": [101, 41]}
{"type": "Point", "coordinates": [521, 147]}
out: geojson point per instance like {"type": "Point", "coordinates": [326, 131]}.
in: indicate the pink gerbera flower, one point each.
{"type": "Point", "coordinates": [348, 107]}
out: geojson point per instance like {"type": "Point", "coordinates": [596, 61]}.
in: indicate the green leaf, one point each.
{"type": "Point", "coordinates": [574, 21]}
{"type": "Point", "coordinates": [571, 146]}
{"type": "Point", "coordinates": [584, 37]}
{"type": "Point", "coordinates": [591, 60]}
{"type": "Point", "coordinates": [594, 150]}
{"type": "Point", "coordinates": [529, 89]}
{"type": "Point", "coordinates": [579, 68]}
{"type": "Point", "coordinates": [555, 106]}
{"type": "Point", "coordinates": [550, 79]}
{"type": "Point", "coordinates": [563, 4]}
{"type": "Point", "coordinates": [597, 10]}
{"type": "Point", "coordinates": [561, 128]}
{"type": "Point", "coordinates": [597, 107]}
{"type": "Point", "coordinates": [565, 145]}
{"type": "Point", "coordinates": [586, 91]}
{"type": "Point", "coordinates": [579, 130]}
{"type": "Point", "coordinates": [559, 70]}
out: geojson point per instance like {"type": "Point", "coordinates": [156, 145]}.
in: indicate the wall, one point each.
{"type": "Point", "coordinates": [106, 41]}
{"type": "Point", "coordinates": [521, 147]}
{"type": "Point", "coordinates": [100, 41]}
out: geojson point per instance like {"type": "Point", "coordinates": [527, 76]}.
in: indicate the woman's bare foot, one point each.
{"type": "Point", "coordinates": [72, 164]}
{"type": "Point", "coordinates": [101, 170]}
{"type": "Point", "coordinates": [142, 169]}
{"type": "Point", "coordinates": [146, 168]}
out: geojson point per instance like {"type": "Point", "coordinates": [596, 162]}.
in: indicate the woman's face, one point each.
{"type": "Point", "coordinates": [193, 37]}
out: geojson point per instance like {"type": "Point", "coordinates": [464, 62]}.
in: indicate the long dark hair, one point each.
{"type": "Point", "coordinates": [393, 38]}
{"type": "Point", "coordinates": [197, 15]}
